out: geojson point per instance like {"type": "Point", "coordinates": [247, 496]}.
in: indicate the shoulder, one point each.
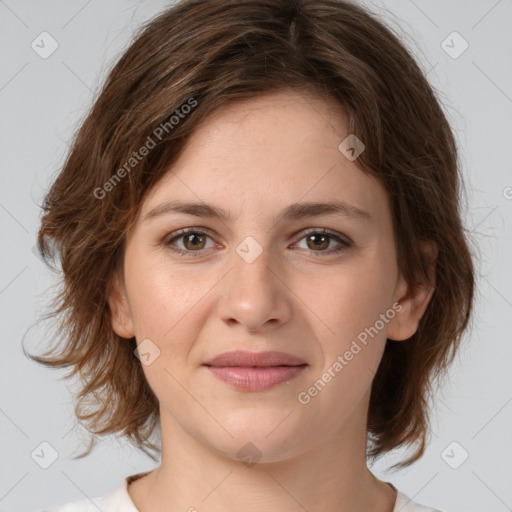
{"type": "Point", "coordinates": [406, 504]}
{"type": "Point", "coordinates": [115, 501]}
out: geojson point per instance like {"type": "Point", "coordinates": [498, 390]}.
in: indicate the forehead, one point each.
{"type": "Point", "coordinates": [268, 152]}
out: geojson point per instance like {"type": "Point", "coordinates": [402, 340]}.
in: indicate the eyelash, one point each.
{"type": "Point", "coordinates": [203, 231]}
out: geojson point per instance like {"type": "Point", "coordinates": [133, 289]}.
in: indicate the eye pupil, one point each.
{"type": "Point", "coordinates": [191, 236]}
{"type": "Point", "coordinates": [321, 244]}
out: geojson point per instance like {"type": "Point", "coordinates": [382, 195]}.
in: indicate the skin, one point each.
{"type": "Point", "coordinates": [254, 158]}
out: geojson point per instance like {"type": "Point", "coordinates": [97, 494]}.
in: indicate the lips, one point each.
{"type": "Point", "coordinates": [255, 371]}
{"type": "Point", "coordinates": [244, 359]}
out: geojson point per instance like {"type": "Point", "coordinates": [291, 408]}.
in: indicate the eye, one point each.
{"type": "Point", "coordinates": [194, 240]}
{"type": "Point", "coordinates": [319, 239]}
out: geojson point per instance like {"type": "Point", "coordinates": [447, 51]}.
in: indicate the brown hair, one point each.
{"type": "Point", "coordinates": [205, 53]}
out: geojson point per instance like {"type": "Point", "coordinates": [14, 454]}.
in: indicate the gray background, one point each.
{"type": "Point", "coordinates": [41, 101]}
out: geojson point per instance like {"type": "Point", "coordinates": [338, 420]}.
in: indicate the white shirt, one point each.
{"type": "Point", "coordinates": [119, 500]}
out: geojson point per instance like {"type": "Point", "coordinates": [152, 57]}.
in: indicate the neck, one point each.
{"type": "Point", "coordinates": [330, 477]}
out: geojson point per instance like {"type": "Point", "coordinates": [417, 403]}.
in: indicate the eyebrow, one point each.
{"type": "Point", "coordinates": [293, 211]}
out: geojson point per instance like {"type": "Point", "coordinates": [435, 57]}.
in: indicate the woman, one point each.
{"type": "Point", "coordinates": [262, 254]}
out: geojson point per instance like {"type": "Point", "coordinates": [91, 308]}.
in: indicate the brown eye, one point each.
{"type": "Point", "coordinates": [188, 242]}
{"type": "Point", "coordinates": [194, 241]}
{"type": "Point", "coordinates": [318, 241]}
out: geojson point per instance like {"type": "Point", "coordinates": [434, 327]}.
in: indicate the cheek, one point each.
{"type": "Point", "coordinates": [352, 337]}
{"type": "Point", "coordinates": [164, 298]}
{"type": "Point", "coordinates": [170, 308]}
{"type": "Point", "coordinates": [167, 308]}
{"type": "Point", "coordinates": [351, 300]}
{"type": "Point", "coordinates": [354, 342]}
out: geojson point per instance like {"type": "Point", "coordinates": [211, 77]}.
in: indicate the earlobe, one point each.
{"type": "Point", "coordinates": [414, 299]}
{"type": "Point", "coordinates": [121, 317]}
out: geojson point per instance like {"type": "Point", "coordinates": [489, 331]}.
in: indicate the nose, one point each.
{"type": "Point", "coordinates": [254, 294]}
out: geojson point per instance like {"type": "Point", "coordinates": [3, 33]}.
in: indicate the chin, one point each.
{"type": "Point", "coordinates": [258, 439]}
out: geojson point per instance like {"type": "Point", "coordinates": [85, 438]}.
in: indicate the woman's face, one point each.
{"type": "Point", "coordinates": [264, 278]}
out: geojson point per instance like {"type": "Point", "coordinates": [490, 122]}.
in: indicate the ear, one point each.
{"type": "Point", "coordinates": [121, 316]}
{"type": "Point", "coordinates": [413, 299]}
